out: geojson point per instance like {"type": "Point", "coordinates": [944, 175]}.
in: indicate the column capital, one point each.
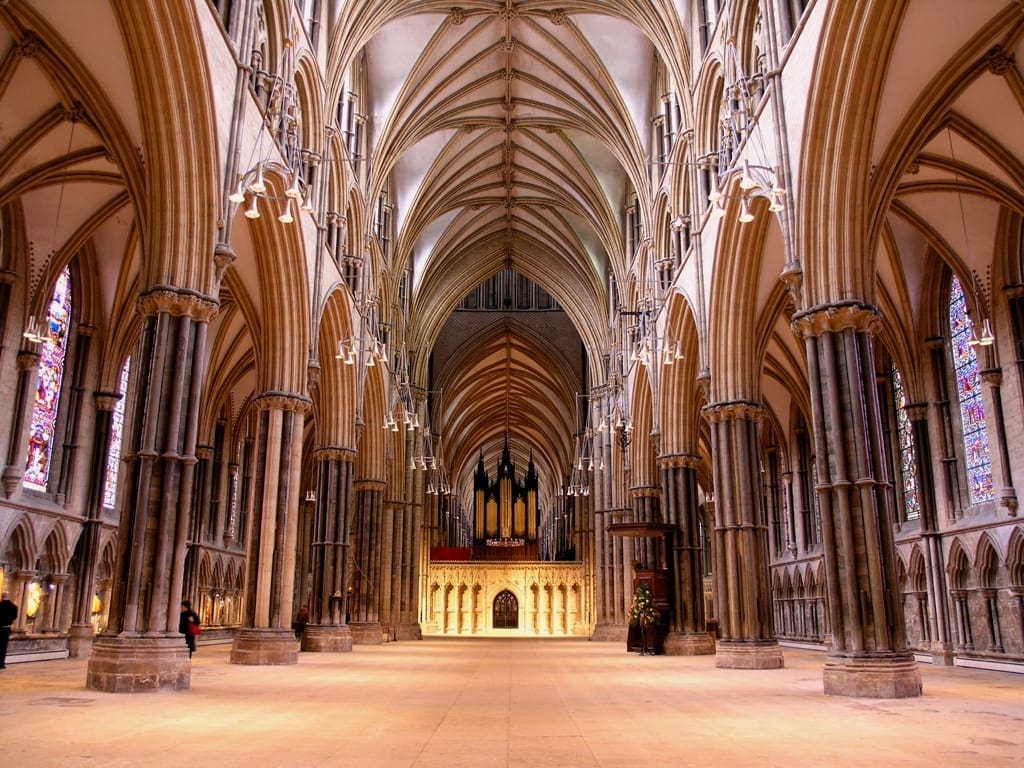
{"type": "Point", "coordinates": [916, 411]}
{"type": "Point", "coordinates": [733, 409]}
{"type": "Point", "coordinates": [27, 360]}
{"type": "Point", "coordinates": [178, 302]}
{"type": "Point", "coordinates": [335, 453]}
{"type": "Point", "coordinates": [285, 401]}
{"type": "Point", "coordinates": [675, 460]}
{"type": "Point", "coordinates": [833, 318]}
{"type": "Point", "coordinates": [106, 401]}
{"type": "Point", "coordinates": [639, 491]}
{"type": "Point", "coordinates": [993, 376]}
{"type": "Point", "coordinates": [7, 277]}
{"type": "Point", "coordinates": [1012, 291]}
{"type": "Point", "coordinates": [368, 484]}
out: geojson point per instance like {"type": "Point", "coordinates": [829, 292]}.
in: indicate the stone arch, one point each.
{"type": "Point", "coordinates": [681, 398]}
{"type": "Point", "coordinates": [917, 578]}
{"type": "Point", "coordinates": [958, 566]}
{"type": "Point", "coordinates": [21, 550]}
{"type": "Point", "coordinates": [1015, 558]}
{"type": "Point", "coordinates": [182, 186]}
{"type": "Point", "coordinates": [505, 610]}
{"type": "Point", "coordinates": [986, 563]}
{"type": "Point", "coordinates": [335, 398]}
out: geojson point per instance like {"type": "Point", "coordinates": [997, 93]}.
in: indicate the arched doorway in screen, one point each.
{"type": "Point", "coordinates": [506, 611]}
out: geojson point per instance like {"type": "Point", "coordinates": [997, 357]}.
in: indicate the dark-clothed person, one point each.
{"type": "Point", "coordinates": [186, 620]}
{"type": "Point", "coordinates": [8, 613]}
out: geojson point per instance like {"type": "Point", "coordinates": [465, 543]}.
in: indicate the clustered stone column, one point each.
{"type": "Point", "coordinates": [741, 579]}
{"type": "Point", "coordinates": [267, 637]}
{"type": "Point", "coordinates": [364, 605]}
{"type": "Point", "coordinates": [328, 630]}
{"type": "Point", "coordinates": [937, 603]}
{"type": "Point", "coordinates": [688, 635]}
{"type": "Point", "coordinates": [868, 655]}
{"type": "Point", "coordinates": [141, 648]}
{"type": "Point", "coordinates": [80, 634]}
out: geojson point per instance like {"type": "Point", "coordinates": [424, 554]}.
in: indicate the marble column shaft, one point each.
{"type": "Point", "coordinates": [141, 649]}
{"type": "Point", "coordinates": [681, 508]}
{"type": "Point", "coordinates": [868, 655]}
{"type": "Point", "coordinates": [741, 578]}
{"type": "Point", "coordinates": [274, 525]}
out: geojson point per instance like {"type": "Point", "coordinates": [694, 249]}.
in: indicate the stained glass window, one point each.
{"type": "Point", "coordinates": [908, 463]}
{"type": "Point", "coordinates": [52, 351]}
{"type": "Point", "coordinates": [116, 434]}
{"type": "Point", "coordinates": [972, 410]}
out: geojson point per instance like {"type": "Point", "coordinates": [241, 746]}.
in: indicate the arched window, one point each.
{"type": "Point", "coordinates": [52, 352]}
{"type": "Point", "coordinates": [908, 461]}
{"type": "Point", "coordinates": [116, 436]}
{"type": "Point", "coordinates": [506, 611]}
{"type": "Point", "coordinates": [978, 462]}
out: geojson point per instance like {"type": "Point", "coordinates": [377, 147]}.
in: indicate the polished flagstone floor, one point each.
{"type": "Point", "coordinates": [478, 703]}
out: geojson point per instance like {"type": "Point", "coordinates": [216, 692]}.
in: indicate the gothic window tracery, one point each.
{"type": "Point", "coordinates": [52, 352]}
{"type": "Point", "coordinates": [116, 437]}
{"type": "Point", "coordinates": [977, 460]}
{"type": "Point", "coordinates": [908, 460]}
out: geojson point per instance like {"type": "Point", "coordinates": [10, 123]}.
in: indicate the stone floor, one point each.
{"type": "Point", "coordinates": [492, 702]}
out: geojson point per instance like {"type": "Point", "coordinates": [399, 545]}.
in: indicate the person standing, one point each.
{"type": "Point", "coordinates": [188, 625]}
{"type": "Point", "coordinates": [8, 613]}
{"type": "Point", "coordinates": [301, 620]}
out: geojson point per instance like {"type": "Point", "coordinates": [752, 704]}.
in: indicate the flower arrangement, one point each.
{"type": "Point", "coordinates": [643, 611]}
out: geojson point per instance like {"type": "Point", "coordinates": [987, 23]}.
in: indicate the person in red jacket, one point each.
{"type": "Point", "coordinates": [188, 625]}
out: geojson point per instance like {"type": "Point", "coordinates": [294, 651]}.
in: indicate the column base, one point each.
{"type": "Point", "coordinates": [265, 647]}
{"type": "Point", "coordinates": [882, 676]}
{"type": "Point", "coordinates": [754, 654]}
{"type": "Point", "coordinates": [138, 664]}
{"type": "Point", "coordinates": [80, 638]}
{"type": "Point", "coordinates": [327, 639]}
{"type": "Point", "coordinates": [408, 632]}
{"type": "Point", "coordinates": [942, 654]}
{"type": "Point", "coordinates": [613, 633]}
{"type": "Point", "coordinates": [366, 633]}
{"type": "Point", "coordinates": [689, 644]}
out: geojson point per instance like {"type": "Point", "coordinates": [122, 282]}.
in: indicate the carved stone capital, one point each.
{"type": "Point", "coordinates": [734, 410]}
{"type": "Point", "coordinates": [993, 376]}
{"type": "Point", "coordinates": [204, 452]}
{"type": "Point", "coordinates": [916, 411]}
{"type": "Point", "coordinates": [370, 484]}
{"type": "Point", "coordinates": [835, 318]}
{"type": "Point", "coordinates": [7, 277]}
{"type": "Point", "coordinates": [335, 453]}
{"type": "Point", "coordinates": [223, 257]}
{"type": "Point", "coordinates": [179, 303]}
{"type": "Point", "coordinates": [642, 491]}
{"type": "Point", "coordinates": [283, 401]}
{"type": "Point", "coordinates": [679, 460]}
{"type": "Point", "coordinates": [312, 375]}
{"type": "Point", "coordinates": [106, 401]}
{"type": "Point", "coordinates": [27, 359]}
